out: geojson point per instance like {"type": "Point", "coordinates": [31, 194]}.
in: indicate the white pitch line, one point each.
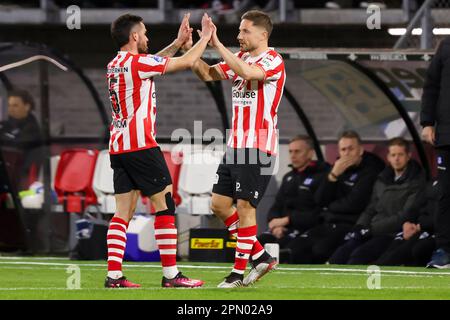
{"type": "Point", "coordinates": [224, 267]}
{"type": "Point", "coordinates": [218, 289]}
{"type": "Point", "coordinates": [30, 258]}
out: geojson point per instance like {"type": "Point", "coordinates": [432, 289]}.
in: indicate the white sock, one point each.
{"type": "Point", "coordinates": [115, 274]}
{"type": "Point", "coordinates": [170, 272]}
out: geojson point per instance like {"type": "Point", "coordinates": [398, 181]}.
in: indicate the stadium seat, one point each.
{"type": "Point", "coordinates": [73, 179]}
{"type": "Point", "coordinates": [197, 176]}
{"type": "Point", "coordinates": [103, 183]}
{"type": "Point", "coordinates": [174, 162]}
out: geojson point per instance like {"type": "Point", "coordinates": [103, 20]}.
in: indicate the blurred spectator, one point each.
{"type": "Point", "coordinates": [295, 209]}
{"type": "Point", "coordinates": [415, 244]}
{"type": "Point", "coordinates": [344, 194]}
{"type": "Point", "coordinates": [393, 197]}
{"type": "Point", "coordinates": [21, 132]}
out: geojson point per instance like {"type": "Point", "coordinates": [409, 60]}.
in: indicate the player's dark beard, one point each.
{"type": "Point", "coordinates": [143, 48]}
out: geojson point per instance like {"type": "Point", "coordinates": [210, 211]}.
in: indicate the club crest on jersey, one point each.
{"type": "Point", "coordinates": [308, 181]}
{"type": "Point", "coordinates": [239, 84]}
{"type": "Point", "coordinates": [353, 177]}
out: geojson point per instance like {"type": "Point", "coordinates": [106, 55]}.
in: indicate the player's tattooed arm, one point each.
{"type": "Point", "coordinates": [188, 59]}
{"type": "Point", "coordinates": [184, 36]}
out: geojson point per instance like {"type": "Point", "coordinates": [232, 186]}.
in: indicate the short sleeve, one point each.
{"type": "Point", "coordinates": [151, 65]}
{"type": "Point", "coordinates": [272, 65]}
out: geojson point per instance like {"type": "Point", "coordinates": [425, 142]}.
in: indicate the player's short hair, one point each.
{"type": "Point", "coordinates": [303, 137]}
{"type": "Point", "coordinates": [121, 28]}
{"type": "Point", "coordinates": [399, 141]}
{"type": "Point", "coordinates": [350, 134]}
{"type": "Point", "coordinates": [26, 97]}
{"type": "Point", "coordinates": [260, 19]}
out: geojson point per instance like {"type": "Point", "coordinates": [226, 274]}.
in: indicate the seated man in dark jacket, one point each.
{"type": "Point", "coordinates": [344, 194]}
{"type": "Point", "coordinates": [295, 209]}
{"type": "Point", "coordinates": [21, 132]}
{"type": "Point", "coordinates": [393, 197]}
{"type": "Point", "coordinates": [415, 244]}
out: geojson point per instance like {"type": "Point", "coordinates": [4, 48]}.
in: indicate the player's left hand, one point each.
{"type": "Point", "coordinates": [185, 32]}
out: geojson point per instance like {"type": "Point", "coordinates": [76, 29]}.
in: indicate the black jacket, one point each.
{"type": "Point", "coordinates": [25, 137]}
{"type": "Point", "coordinates": [436, 94]}
{"type": "Point", "coordinates": [345, 199]}
{"type": "Point", "coordinates": [392, 200]}
{"type": "Point", "coordinates": [425, 206]}
{"type": "Point", "coordinates": [24, 133]}
{"type": "Point", "coordinates": [295, 198]}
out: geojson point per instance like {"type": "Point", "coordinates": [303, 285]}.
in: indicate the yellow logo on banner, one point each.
{"type": "Point", "coordinates": [231, 244]}
{"type": "Point", "coordinates": [206, 243]}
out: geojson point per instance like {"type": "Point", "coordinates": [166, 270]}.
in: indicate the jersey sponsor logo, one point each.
{"type": "Point", "coordinates": [157, 59]}
{"type": "Point", "coordinates": [206, 243]}
{"type": "Point", "coordinates": [244, 94]}
{"type": "Point", "coordinates": [120, 123]}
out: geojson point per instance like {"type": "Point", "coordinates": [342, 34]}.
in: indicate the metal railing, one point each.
{"type": "Point", "coordinates": [423, 19]}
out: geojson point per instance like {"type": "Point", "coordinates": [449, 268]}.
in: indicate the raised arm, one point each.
{"type": "Point", "coordinates": [206, 72]}
{"type": "Point", "coordinates": [190, 57]}
{"type": "Point", "coordinates": [244, 70]}
{"type": "Point", "coordinates": [184, 33]}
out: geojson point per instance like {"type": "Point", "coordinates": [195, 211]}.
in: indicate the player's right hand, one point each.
{"type": "Point", "coordinates": [429, 134]}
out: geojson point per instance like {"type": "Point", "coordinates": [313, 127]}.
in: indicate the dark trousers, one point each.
{"type": "Point", "coordinates": [442, 221]}
{"type": "Point", "coordinates": [361, 251]}
{"type": "Point", "coordinates": [316, 245]}
{"type": "Point", "coordinates": [416, 251]}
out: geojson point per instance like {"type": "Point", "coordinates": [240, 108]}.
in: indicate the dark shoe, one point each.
{"type": "Point", "coordinates": [120, 283]}
{"type": "Point", "coordinates": [234, 280]}
{"type": "Point", "coordinates": [181, 281]}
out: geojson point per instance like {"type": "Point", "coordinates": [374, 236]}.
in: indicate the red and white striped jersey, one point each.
{"type": "Point", "coordinates": [133, 100]}
{"type": "Point", "coordinates": [255, 103]}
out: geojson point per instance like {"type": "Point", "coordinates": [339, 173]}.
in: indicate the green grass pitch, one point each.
{"type": "Point", "coordinates": [46, 278]}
